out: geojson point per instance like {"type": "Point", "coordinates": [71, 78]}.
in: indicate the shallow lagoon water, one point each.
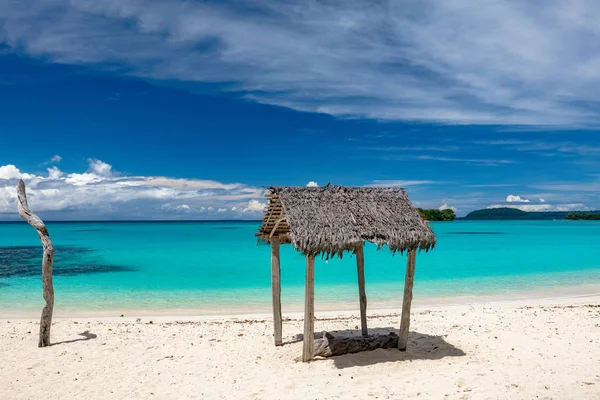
{"type": "Point", "coordinates": [219, 266]}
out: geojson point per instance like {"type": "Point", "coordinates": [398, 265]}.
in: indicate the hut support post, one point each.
{"type": "Point", "coordinates": [408, 286]}
{"type": "Point", "coordinates": [47, 259]}
{"type": "Point", "coordinates": [276, 287]}
{"type": "Point", "coordinates": [309, 311]}
{"type": "Point", "coordinates": [360, 267]}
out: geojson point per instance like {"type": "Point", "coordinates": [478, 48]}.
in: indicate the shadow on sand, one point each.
{"type": "Point", "coordinates": [87, 335]}
{"type": "Point", "coordinates": [420, 347]}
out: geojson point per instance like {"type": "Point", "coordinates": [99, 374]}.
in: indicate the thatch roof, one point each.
{"type": "Point", "coordinates": [330, 220]}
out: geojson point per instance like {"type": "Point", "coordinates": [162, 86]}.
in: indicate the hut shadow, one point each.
{"type": "Point", "coordinates": [87, 335]}
{"type": "Point", "coordinates": [420, 347]}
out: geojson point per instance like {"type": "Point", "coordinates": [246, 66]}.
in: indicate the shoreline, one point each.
{"type": "Point", "coordinates": [536, 298]}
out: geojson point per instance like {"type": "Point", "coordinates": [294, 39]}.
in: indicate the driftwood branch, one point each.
{"type": "Point", "coordinates": [329, 345]}
{"type": "Point", "coordinates": [48, 258]}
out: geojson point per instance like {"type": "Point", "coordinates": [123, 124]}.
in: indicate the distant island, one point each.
{"type": "Point", "coordinates": [583, 216]}
{"type": "Point", "coordinates": [507, 213]}
{"type": "Point", "coordinates": [437, 215]}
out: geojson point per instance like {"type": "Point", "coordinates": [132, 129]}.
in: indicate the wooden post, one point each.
{"type": "Point", "coordinates": [408, 286]}
{"type": "Point", "coordinates": [360, 267]}
{"type": "Point", "coordinates": [309, 311]}
{"type": "Point", "coordinates": [276, 287]}
{"type": "Point", "coordinates": [47, 259]}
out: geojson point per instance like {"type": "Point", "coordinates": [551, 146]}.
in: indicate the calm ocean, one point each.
{"type": "Point", "coordinates": [120, 266]}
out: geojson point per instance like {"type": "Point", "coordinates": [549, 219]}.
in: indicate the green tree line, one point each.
{"type": "Point", "coordinates": [581, 215]}
{"type": "Point", "coordinates": [437, 215]}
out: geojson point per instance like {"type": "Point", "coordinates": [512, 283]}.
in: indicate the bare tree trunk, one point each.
{"type": "Point", "coordinates": [48, 258]}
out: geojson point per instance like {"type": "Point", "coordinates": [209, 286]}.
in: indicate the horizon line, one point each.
{"type": "Point", "coordinates": [134, 220]}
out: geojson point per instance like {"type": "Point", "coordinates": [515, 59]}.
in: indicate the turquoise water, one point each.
{"type": "Point", "coordinates": [210, 265]}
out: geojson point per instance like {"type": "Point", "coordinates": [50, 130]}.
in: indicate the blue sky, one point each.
{"type": "Point", "coordinates": [175, 109]}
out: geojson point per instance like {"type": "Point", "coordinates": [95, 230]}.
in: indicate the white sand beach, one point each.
{"type": "Point", "coordinates": [526, 349]}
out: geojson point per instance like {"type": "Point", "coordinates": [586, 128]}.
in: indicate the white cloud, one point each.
{"type": "Point", "coordinates": [54, 173]}
{"type": "Point", "coordinates": [83, 179]}
{"type": "Point", "coordinates": [542, 200]}
{"type": "Point", "coordinates": [185, 184]}
{"type": "Point", "coordinates": [543, 207]}
{"type": "Point", "coordinates": [446, 207]}
{"type": "Point", "coordinates": [12, 172]}
{"type": "Point", "coordinates": [9, 172]}
{"type": "Point", "coordinates": [254, 206]}
{"type": "Point", "coordinates": [176, 207]}
{"type": "Point", "coordinates": [515, 199]}
{"type": "Point", "coordinates": [430, 60]}
{"type": "Point", "coordinates": [97, 172]}
{"type": "Point", "coordinates": [100, 168]}
{"type": "Point", "coordinates": [101, 193]}
{"type": "Point", "coordinates": [312, 184]}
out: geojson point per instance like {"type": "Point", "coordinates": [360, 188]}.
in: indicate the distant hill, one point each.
{"type": "Point", "coordinates": [507, 213]}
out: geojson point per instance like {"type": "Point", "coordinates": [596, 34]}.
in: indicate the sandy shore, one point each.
{"type": "Point", "coordinates": [528, 349]}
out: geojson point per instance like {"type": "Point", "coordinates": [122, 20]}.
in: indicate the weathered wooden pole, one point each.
{"type": "Point", "coordinates": [408, 286]}
{"type": "Point", "coordinates": [309, 311]}
{"type": "Point", "coordinates": [276, 288]}
{"type": "Point", "coordinates": [48, 258]}
{"type": "Point", "coordinates": [360, 267]}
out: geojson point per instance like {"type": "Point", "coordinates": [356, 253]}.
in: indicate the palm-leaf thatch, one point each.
{"type": "Point", "coordinates": [333, 219]}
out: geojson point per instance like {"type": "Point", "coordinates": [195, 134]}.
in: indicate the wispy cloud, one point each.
{"type": "Point", "coordinates": [479, 161]}
{"type": "Point", "coordinates": [550, 148]}
{"type": "Point", "coordinates": [492, 185]}
{"type": "Point", "coordinates": [411, 148]}
{"type": "Point", "coordinates": [400, 183]}
{"type": "Point", "coordinates": [508, 142]}
{"type": "Point", "coordinates": [456, 62]}
{"type": "Point", "coordinates": [54, 160]}
{"type": "Point", "coordinates": [586, 186]}
{"type": "Point", "coordinates": [102, 193]}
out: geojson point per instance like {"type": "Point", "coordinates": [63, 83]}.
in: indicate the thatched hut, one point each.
{"type": "Point", "coordinates": [330, 220]}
